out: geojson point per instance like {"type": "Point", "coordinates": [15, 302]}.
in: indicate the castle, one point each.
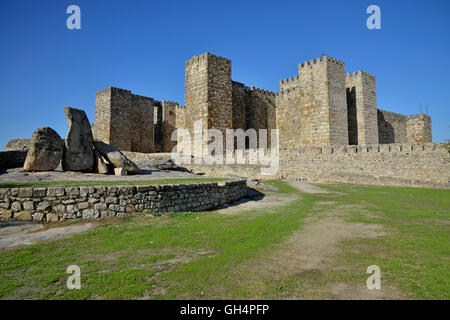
{"type": "Point", "coordinates": [321, 106]}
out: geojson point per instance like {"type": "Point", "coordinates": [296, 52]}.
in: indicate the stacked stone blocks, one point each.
{"type": "Point", "coordinates": [60, 203]}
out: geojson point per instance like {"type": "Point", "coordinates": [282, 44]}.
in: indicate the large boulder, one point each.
{"type": "Point", "coordinates": [45, 152]}
{"type": "Point", "coordinates": [101, 165]}
{"type": "Point", "coordinates": [116, 157]}
{"type": "Point", "coordinates": [78, 154]}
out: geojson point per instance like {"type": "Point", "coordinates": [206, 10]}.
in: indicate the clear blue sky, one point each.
{"type": "Point", "coordinates": [142, 46]}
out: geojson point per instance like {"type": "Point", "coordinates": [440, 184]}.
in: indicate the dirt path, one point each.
{"type": "Point", "coordinates": [307, 187]}
{"type": "Point", "coordinates": [19, 234]}
{"type": "Point", "coordinates": [313, 249]}
{"type": "Point", "coordinates": [249, 204]}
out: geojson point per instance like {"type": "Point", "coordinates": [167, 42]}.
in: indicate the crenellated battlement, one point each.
{"type": "Point", "coordinates": [320, 60]}
{"type": "Point", "coordinates": [289, 80]}
{"type": "Point", "coordinates": [393, 114]}
{"type": "Point", "coordinates": [419, 116]}
{"type": "Point", "coordinates": [359, 74]}
{"type": "Point", "coordinates": [113, 89]}
{"type": "Point", "coordinates": [206, 56]}
{"type": "Point", "coordinates": [171, 102]}
{"type": "Point", "coordinates": [259, 90]}
{"type": "Point", "coordinates": [375, 148]}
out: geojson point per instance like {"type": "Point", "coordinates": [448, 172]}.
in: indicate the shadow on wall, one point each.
{"type": "Point", "coordinates": [386, 132]}
{"type": "Point", "coordinates": [352, 117]}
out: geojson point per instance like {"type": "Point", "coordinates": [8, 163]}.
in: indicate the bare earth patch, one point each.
{"type": "Point", "coordinates": [250, 204]}
{"type": "Point", "coordinates": [12, 235]}
{"type": "Point", "coordinates": [313, 249]}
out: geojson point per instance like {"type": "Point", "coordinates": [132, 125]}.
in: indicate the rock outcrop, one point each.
{"type": "Point", "coordinates": [45, 152]}
{"type": "Point", "coordinates": [116, 157]}
{"type": "Point", "coordinates": [78, 154]}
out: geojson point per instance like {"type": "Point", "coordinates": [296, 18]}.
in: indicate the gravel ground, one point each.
{"type": "Point", "coordinates": [150, 170]}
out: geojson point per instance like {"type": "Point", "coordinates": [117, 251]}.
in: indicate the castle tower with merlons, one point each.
{"type": "Point", "coordinates": [320, 106]}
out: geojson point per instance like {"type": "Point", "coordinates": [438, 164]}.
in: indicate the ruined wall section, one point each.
{"type": "Point", "coordinates": [418, 128]}
{"type": "Point", "coordinates": [391, 127]}
{"type": "Point", "coordinates": [362, 108]}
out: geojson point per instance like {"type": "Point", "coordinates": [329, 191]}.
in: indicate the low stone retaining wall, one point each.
{"type": "Point", "coordinates": [59, 203]}
{"type": "Point", "coordinates": [12, 159]}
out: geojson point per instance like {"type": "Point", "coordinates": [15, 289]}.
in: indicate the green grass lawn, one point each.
{"type": "Point", "coordinates": [44, 184]}
{"type": "Point", "coordinates": [209, 255]}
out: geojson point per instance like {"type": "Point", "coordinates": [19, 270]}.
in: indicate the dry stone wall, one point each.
{"type": "Point", "coordinates": [59, 203]}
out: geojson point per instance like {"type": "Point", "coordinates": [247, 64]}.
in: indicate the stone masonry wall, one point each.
{"type": "Point", "coordinates": [261, 110]}
{"type": "Point", "coordinates": [337, 102]}
{"type": "Point", "coordinates": [418, 128]}
{"type": "Point", "coordinates": [169, 115]}
{"type": "Point", "coordinates": [314, 104]}
{"type": "Point", "coordinates": [391, 127]}
{"type": "Point", "coordinates": [124, 120]}
{"type": "Point", "coordinates": [239, 106]}
{"type": "Point", "coordinates": [141, 123]}
{"type": "Point", "coordinates": [362, 108]}
{"type": "Point", "coordinates": [288, 117]}
{"type": "Point", "coordinates": [196, 92]}
{"type": "Point", "coordinates": [112, 117]}
{"type": "Point", "coordinates": [59, 203]}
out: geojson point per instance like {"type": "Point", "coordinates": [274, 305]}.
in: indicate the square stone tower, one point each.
{"type": "Point", "coordinates": [124, 120]}
{"type": "Point", "coordinates": [362, 108]}
{"type": "Point", "coordinates": [313, 106]}
{"type": "Point", "coordinates": [112, 117]}
{"type": "Point", "coordinates": [208, 92]}
{"type": "Point", "coordinates": [418, 128]}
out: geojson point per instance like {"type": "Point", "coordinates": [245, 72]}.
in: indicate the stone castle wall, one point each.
{"type": "Point", "coordinates": [391, 127]}
{"type": "Point", "coordinates": [260, 109]}
{"type": "Point", "coordinates": [416, 165]}
{"type": "Point", "coordinates": [59, 203]}
{"type": "Point", "coordinates": [419, 165]}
